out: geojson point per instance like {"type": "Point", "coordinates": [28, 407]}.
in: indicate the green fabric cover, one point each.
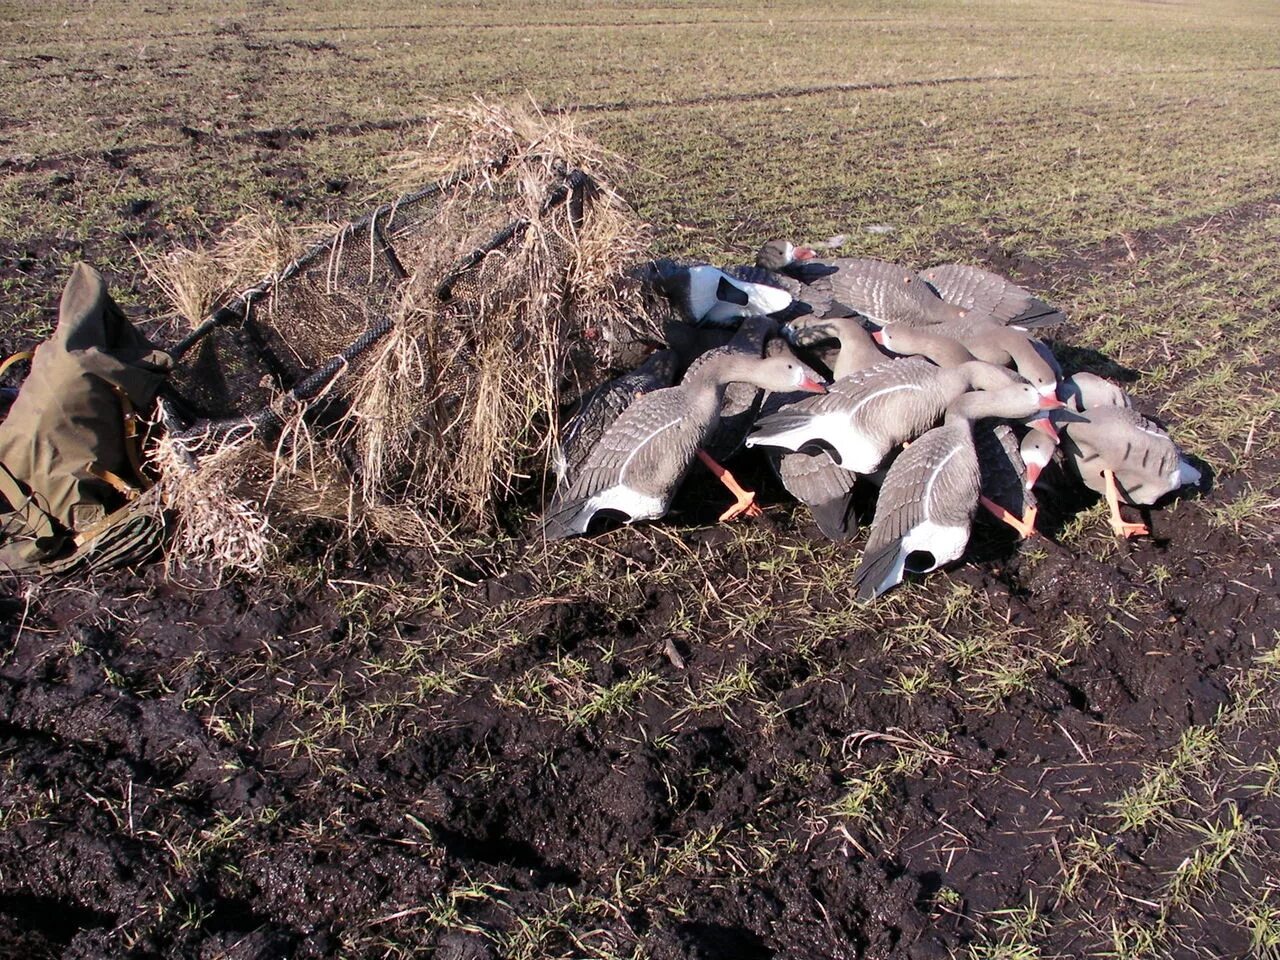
{"type": "Point", "coordinates": [67, 419]}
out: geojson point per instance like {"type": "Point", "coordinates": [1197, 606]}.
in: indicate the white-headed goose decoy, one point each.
{"type": "Point", "coordinates": [1119, 453]}
{"type": "Point", "coordinates": [638, 465]}
{"type": "Point", "coordinates": [807, 278]}
{"type": "Point", "coordinates": [704, 294]}
{"type": "Point", "coordinates": [1009, 469]}
{"type": "Point", "coordinates": [929, 496]}
{"type": "Point", "coordinates": [870, 413]}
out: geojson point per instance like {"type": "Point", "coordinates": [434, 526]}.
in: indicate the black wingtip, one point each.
{"type": "Point", "coordinates": [875, 567]}
{"type": "Point", "coordinates": [729, 292]}
{"type": "Point", "coordinates": [836, 518]}
{"type": "Point", "coordinates": [557, 522]}
{"type": "Point", "coordinates": [1039, 315]}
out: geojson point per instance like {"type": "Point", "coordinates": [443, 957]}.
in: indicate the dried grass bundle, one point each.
{"type": "Point", "coordinates": [516, 294]}
{"type": "Point", "coordinates": [459, 405]}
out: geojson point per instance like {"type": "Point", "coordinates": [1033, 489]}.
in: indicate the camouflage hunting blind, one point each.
{"type": "Point", "coordinates": [429, 343]}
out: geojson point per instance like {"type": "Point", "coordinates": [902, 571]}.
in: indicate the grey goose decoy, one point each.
{"type": "Point", "coordinates": [1085, 391]}
{"type": "Point", "coordinates": [951, 344]}
{"type": "Point", "coordinates": [1119, 453]}
{"type": "Point", "coordinates": [929, 496]}
{"type": "Point", "coordinates": [703, 294]}
{"type": "Point", "coordinates": [867, 415]}
{"type": "Point", "coordinates": [783, 256]}
{"type": "Point", "coordinates": [637, 466]}
{"type": "Point", "coordinates": [738, 410]}
{"type": "Point", "coordinates": [600, 407]}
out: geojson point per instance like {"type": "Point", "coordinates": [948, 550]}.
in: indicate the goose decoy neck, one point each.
{"type": "Point", "coordinates": [857, 350]}
{"type": "Point", "coordinates": [979, 375]}
{"type": "Point", "coordinates": [916, 341]}
{"type": "Point", "coordinates": [781, 374]}
{"type": "Point", "coordinates": [1016, 402]}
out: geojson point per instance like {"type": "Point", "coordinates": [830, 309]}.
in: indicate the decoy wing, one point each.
{"type": "Point", "coordinates": [635, 467]}
{"type": "Point", "coordinates": [600, 407]}
{"type": "Point", "coordinates": [862, 415]}
{"type": "Point", "coordinates": [769, 278]}
{"type": "Point", "coordinates": [925, 509]}
{"type": "Point", "coordinates": [988, 295]}
{"type": "Point", "coordinates": [885, 293]}
{"type": "Point", "coordinates": [818, 482]}
{"type": "Point", "coordinates": [1002, 470]}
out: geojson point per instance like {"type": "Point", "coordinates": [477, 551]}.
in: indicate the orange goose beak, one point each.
{"type": "Point", "coordinates": [1033, 474]}
{"type": "Point", "coordinates": [803, 253]}
{"type": "Point", "coordinates": [809, 385]}
{"type": "Point", "coordinates": [1049, 401]}
{"type": "Point", "coordinates": [878, 337]}
{"type": "Point", "coordinates": [1045, 426]}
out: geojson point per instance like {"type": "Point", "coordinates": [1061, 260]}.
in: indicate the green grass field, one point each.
{"type": "Point", "coordinates": [1069, 752]}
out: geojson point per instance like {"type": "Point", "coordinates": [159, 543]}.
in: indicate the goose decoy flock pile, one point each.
{"type": "Point", "coordinates": [939, 394]}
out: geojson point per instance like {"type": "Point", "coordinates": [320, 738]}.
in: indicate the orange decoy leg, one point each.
{"type": "Point", "coordinates": [1029, 521]}
{"type": "Point", "coordinates": [1025, 525]}
{"type": "Point", "coordinates": [745, 500]}
{"type": "Point", "coordinates": [1122, 527]}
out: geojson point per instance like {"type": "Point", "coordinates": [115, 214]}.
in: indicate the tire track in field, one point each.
{"type": "Point", "coordinates": [280, 137]}
{"type": "Point", "coordinates": [774, 22]}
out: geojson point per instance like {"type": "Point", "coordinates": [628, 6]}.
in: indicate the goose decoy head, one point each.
{"type": "Point", "coordinates": [1037, 448]}
{"type": "Point", "coordinates": [785, 374]}
{"type": "Point", "coordinates": [777, 255]}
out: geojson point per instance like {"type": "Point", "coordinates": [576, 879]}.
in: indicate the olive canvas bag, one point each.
{"type": "Point", "coordinates": [68, 469]}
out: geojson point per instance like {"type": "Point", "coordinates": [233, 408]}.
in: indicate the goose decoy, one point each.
{"type": "Point", "coordinates": [869, 414]}
{"type": "Point", "coordinates": [953, 295]}
{"type": "Point", "coordinates": [949, 344]}
{"type": "Point", "coordinates": [1087, 391]}
{"type": "Point", "coordinates": [1119, 453]}
{"type": "Point", "coordinates": [921, 341]}
{"type": "Point", "coordinates": [805, 277]}
{"type": "Point", "coordinates": [783, 256]}
{"type": "Point", "coordinates": [600, 407]}
{"type": "Point", "coordinates": [703, 294]}
{"type": "Point", "coordinates": [931, 491]}
{"type": "Point", "coordinates": [637, 466]}
{"type": "Point", "coordinates": [738, 410]}
{"type": "Point", "coordinates": [1009, 469]}
{"type": "Point", "coordinates": [815, 479]}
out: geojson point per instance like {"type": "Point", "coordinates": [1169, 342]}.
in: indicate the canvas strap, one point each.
{"type": "Point", "coordinates": [23, 505]}
{"type": "Point", "coordinates": [132, 439]}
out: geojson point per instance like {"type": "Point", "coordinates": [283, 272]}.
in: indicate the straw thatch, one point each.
{"type": "Point", "coordinates": [453, 412]}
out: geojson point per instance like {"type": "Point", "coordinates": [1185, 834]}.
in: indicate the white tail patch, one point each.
{"type": "Point", "coordinates": [1186, 475]}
